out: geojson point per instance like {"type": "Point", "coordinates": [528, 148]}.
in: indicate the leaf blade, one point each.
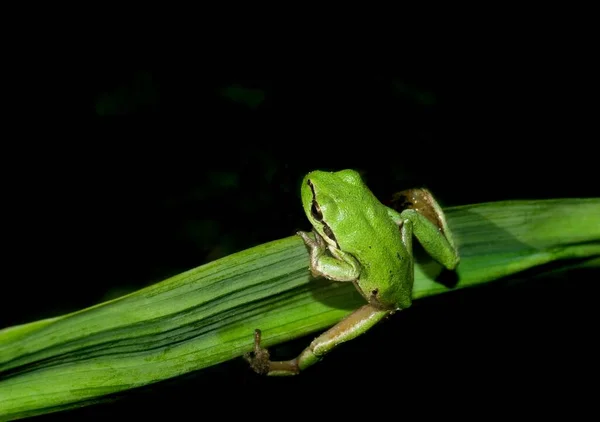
{"type": "Point", "coordinates": [206, 315]}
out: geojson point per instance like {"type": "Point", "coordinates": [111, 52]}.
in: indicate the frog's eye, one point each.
{"type": "Point", "coordinates": [315, 210]}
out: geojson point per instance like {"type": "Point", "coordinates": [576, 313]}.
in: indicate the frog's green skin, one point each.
{"type": "Point", "coordinates": [360, 240]}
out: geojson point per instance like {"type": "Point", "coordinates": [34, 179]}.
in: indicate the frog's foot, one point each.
{"type": "Point", "coordinates": [317, 245]}
{"type": "Point", "coordinates": [259, 360]}
{"type": "Point", "coordinates": [317, 249]}
{"type": "Point", "coordinates": [421, 201]}
{"type": "Point", "coordinates": [259, 357]}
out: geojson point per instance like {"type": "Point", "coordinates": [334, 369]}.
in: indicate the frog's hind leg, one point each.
{"type": "Point", "coordinates": [355, 324]}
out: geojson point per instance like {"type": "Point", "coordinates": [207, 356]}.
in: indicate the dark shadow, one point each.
{"type": "Point", "coordinates": [336, 294]}
{"type": "Point", "coordinates": [531, 279]}
{"type": "Point", "coordinates": [479, 235]}
{"type": "Point", "coordinates": [432, 268]}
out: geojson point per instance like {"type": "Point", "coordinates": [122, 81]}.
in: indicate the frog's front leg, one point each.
{"type": "Point", "coordinates": [338, 267]}
{"type": "Point", "coordinates": [355, 324]}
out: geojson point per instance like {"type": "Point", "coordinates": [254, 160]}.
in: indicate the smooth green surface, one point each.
{"type": "Point", "coordinates": [207, 315]}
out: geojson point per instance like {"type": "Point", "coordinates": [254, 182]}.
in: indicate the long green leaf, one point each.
{"type": "Point", "coordinates": [207, 315]}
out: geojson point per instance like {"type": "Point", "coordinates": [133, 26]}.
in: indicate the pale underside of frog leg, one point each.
{"type": "Point", "coordinates": [337, 266]}
{"type": "Point", "coordinates": [355, 324]}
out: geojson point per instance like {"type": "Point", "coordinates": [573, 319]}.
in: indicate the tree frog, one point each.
{"type": "Point", "coordinates": [359, 240]}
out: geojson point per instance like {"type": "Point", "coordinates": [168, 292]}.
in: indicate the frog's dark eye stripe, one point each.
{"type": "Point", "coordinates": [315, 210]}
{"type": "Point", "coordinates": [317, 214]}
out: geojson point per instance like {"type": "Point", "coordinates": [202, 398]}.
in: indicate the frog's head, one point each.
{"type": "Point", "coordinates": [325, 196]}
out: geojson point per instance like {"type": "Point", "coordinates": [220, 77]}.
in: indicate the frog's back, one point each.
{"type": "Point", "coordinates": [376, 242]}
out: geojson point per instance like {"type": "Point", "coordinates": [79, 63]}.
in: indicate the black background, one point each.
{"type": "Point", "coordinates": [175, 174]}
